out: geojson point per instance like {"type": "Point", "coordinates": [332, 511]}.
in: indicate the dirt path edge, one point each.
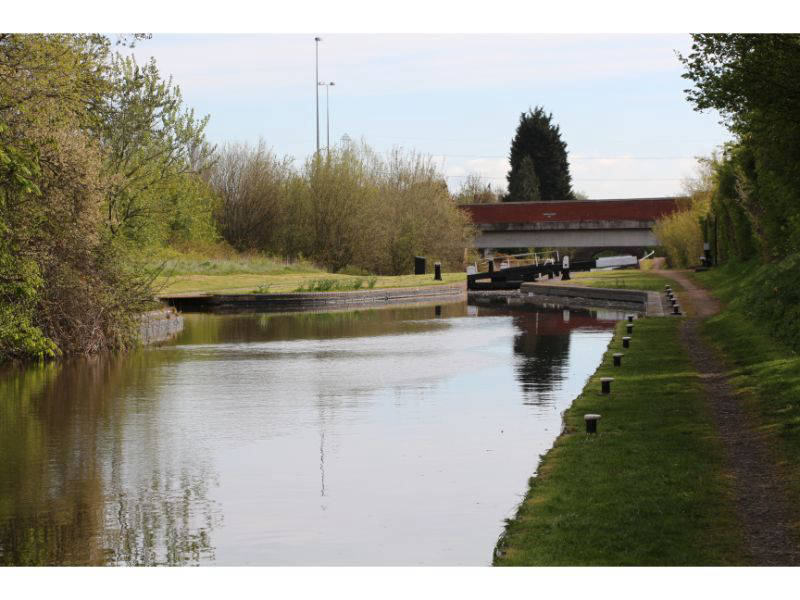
{"type": "Point", "coordinates": [761, 499]}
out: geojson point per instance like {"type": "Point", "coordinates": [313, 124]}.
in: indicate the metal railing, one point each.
{"type": "Point", "coordinates": [506, 261]}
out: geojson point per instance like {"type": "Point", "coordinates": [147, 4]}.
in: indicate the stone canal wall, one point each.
{"type": "Point", "coordinates": [314, 300]}
{"type": "Point", "coordinates": [159, 325]}
{"type": "Point", "coordinates": [574, 296]}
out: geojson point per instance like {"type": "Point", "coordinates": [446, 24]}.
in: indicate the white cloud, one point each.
{"type": "Point", "coordinates": [262, 85]}
{"type": "Point", "coordinates": [385, 64]}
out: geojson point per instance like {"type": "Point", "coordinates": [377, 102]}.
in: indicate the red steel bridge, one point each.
{"type": "Point", "coordinates": [587, 227]}
{"type": "Point", "coordinates": [595, 224]}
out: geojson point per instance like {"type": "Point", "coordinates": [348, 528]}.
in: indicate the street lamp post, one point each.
{"type": "Point", "coordinates": [317, 40]}
{"type": "Point", "coordinates": [327, 113]}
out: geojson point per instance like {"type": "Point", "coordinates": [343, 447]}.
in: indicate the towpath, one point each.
{"type": "Point", "coordinates": [760, 497]}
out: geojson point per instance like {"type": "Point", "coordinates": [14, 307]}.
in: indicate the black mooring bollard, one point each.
{"type": "Point", "coordinates": [676, 309]}
{"type": "Point", "coordinates": [630, 318]}
{"type": "Point", "coordinates": [618, 359]}
{"type": "Point", "coordinates": [490, 264]}
{"type": "Point", "coordinates": [591, 422]}
{"type": "Point", "coordinates": [626, 342]}
{"type": "Point", "coordinates": [629, 328]}
{"type": "Point", "coordinates": [437, 271]}
{"type": "Point", "coordinates": [605, 384]}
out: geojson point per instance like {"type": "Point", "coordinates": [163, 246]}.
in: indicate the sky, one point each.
{"type": "Point", "coordinates": [618, 99]}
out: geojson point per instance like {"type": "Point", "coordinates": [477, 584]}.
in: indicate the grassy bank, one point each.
{"type": "Point", "coordinates": [219, 272]}
{"type": "Point", "coordinates": [757, 333]}
{"type": "Point", "coordinates": [284, 283]}
{"type": "Point", "coordinates": [632, 279]}
{"type": "Point", "coordinates": [649, 488]}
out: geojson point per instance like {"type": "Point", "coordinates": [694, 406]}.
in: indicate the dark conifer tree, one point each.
{"type": "Point", "coordinates": [539, 141]}
{"type": "Point", "coordinates": [528, 182]}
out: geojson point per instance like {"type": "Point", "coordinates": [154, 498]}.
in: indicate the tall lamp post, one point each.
{"type": "Point", "coordinates": [327, 113]}
{"type": "Point", "coordinates": [317, 40]}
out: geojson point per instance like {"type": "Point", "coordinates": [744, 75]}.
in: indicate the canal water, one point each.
{"type": "Point", "coordinates": [394, 436]}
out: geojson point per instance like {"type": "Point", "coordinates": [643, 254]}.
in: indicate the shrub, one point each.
{"type": "Point", "coordinates": [348, 209]}
{"type": "Point", "coordinates": [680, 234]}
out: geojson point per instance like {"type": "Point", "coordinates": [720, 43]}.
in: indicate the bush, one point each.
{"type": "Point", "coordinates": [474, 190]}
{"type": "Point", "coordinates": [67, 282]}
{"type": "Point", "coordinates": [252, 184]}
{"type": "Point", "coordinates": [348, 209]}
{"type": "Point", "coordinates": [681, 237]}
{"type": "Point", "coordinates": [680, 234]}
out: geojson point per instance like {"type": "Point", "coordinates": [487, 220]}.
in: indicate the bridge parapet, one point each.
{"type": "Point", "coordinates": [565, 225]}
{"type": "Point", "coordinates": [572, 211]}
{"type": "Point", "coordinates": [569, 224]}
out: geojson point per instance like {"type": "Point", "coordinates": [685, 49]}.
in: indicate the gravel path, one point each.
{"type": "Point", "coordinates": [761, 499]}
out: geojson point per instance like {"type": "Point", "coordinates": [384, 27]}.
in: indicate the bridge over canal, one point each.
{"type": "Point", "coordinates": [591, 225]}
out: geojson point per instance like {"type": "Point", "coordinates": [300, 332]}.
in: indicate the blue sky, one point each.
{"type": "Point", "coordinates": [618, 98]}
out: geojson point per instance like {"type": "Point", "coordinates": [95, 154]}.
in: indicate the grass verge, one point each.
{"type": "Point", "coordinates": [650, 488]}
{"type": "Point", "coordinates": [751, 332]}
{"type": "Point", "coordinates": [277, 284]}
{"type": "Point", "coordinates": [632, 279]}
{"type": "Point", "coordinates": [220, 270]}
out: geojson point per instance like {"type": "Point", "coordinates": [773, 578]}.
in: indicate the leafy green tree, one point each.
{"type": "Point", "coordinates": [751, 79]}
{"type": "Point", "coordinates": [20, 279]}
{"type": "Point", "coordinates": [746, 77]}
{"type": "Point", "coordinates": [152, 142]}
{"type": "Point", "coordinates": [340, 204]}
{"type": "Point", "coordinates": [63, 284]}
{"type": "Point", "coordinates": [538, 160]}
{"type": "Point", "coordinates": [48, 85]}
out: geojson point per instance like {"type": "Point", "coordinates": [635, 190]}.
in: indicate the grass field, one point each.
{"type": "Point", "coordinates": [221, 270]}
{"type": "Point", "coordinates": [632, 279]}
{"type": "Point", "coordinates": [649, 488]}
{"type": "Point", "coordinates": [290, 282]}
{"type": "Point", "coordinates": [186, 273]}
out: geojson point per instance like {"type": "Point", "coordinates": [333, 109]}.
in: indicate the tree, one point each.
{"type": "Point", "coordinates": [253, 185]}
{"type": "Point", "coordinates": [752, 81]}
{"type": "Point", "coordinates": [538, 159]}
{"type": "Point", "coordinates": [474, 190]}
{"type": "Point", "coordinates": [528, 182]}
{"type": "Point", "coordinates": [151, 143]}
{"type": "Point", "coordinates": [349, 208]}
{"type": "Point", "coordinates": [745, 77]}
{"type": "Point", "coordinates": [64, 285]}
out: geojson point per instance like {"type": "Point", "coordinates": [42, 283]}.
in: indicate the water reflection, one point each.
{"type": "Point", "coordinates": [543, 346]}
{"type": "Point", "coordinates": [391, 436]}
{"type": "Point", "coordinates": [69, 492]}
